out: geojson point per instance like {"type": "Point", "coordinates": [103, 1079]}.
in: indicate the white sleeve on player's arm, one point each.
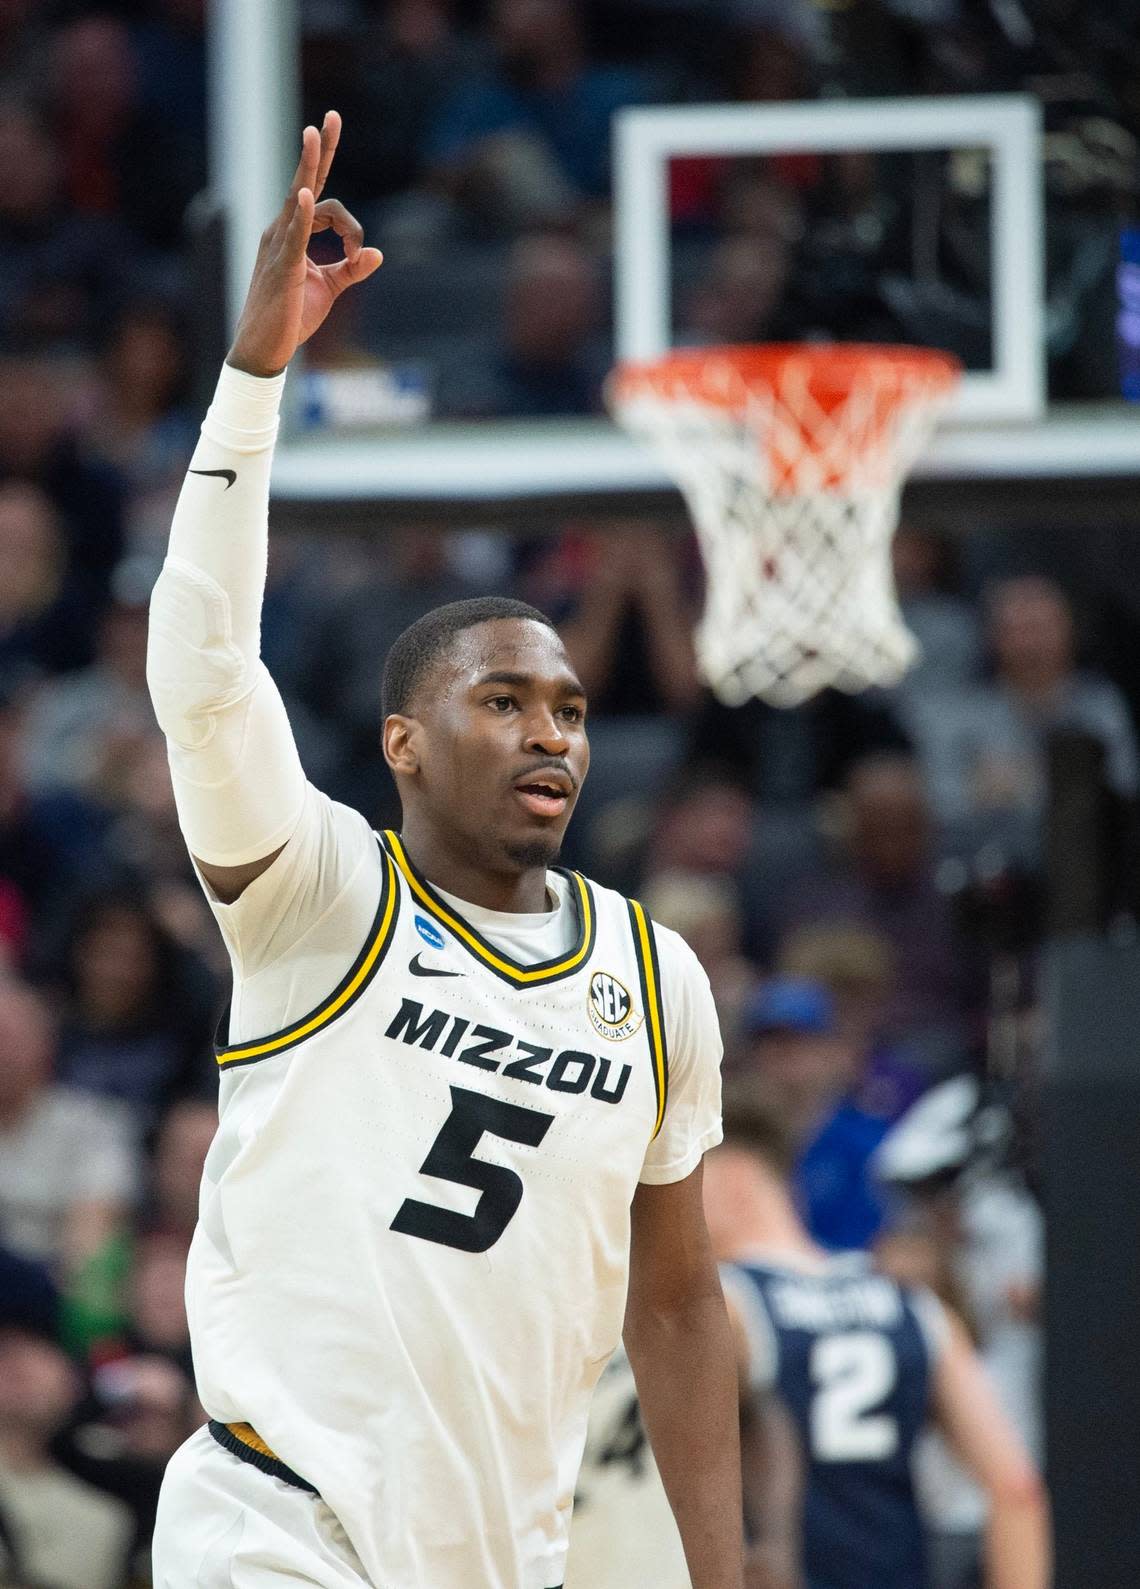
{"type": "Point", "coordinates": [238, 781]}
{"type": "Point", "coordinates": [293, 933]}
{"type": "Point", "coordinates": [692, 1112]}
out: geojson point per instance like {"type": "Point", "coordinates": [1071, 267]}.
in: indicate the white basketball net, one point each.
{"type": "Point", "coordinates": [796, 539]}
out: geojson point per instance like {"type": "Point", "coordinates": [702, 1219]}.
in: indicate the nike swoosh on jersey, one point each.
{"type": "Point", "coordinates": [419, 970]}
{"type": "Point", "coordinates": [228, 475]}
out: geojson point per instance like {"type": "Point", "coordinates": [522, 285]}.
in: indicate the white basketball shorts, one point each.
{"type": "Point", "coordinates": [224, 1524]}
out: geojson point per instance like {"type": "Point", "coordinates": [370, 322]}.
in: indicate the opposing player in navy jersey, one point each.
{"type": "Point", "coordinates": [464, 1093]}
{"type": "Point", "coordinates": [862, 1365]}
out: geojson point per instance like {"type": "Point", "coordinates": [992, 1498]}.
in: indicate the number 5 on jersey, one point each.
{"type": "Point", "coordinates": [451, 1158]}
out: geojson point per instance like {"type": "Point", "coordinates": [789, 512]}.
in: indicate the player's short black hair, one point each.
{"type": "Point", "coordinates": [754, 1122]}
{"type": "Point", "coordinates": [422, 643]}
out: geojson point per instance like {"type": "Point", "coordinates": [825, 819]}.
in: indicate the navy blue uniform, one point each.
{"type": "Point", "coordinates": [850, 1353]}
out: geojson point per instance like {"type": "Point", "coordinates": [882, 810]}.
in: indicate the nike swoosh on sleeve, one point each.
{"type": "Point", "coordinates": [228, 475]}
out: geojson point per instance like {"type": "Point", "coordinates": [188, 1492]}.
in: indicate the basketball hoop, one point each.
{"type": "Point", "coordinates": [792, 459]}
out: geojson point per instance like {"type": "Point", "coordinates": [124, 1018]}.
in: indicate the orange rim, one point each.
{"type": "Point", "coordinates": [724, 376]}
{"type": "Point", "coordinates": [811, 385]}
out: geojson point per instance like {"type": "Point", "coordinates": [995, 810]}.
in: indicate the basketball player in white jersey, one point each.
{"type": "Point", "coordinates": [465, 1095]}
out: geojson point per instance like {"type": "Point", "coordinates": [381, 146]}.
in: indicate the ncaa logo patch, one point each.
{"type": "Point", "coordinates": [610, 1008]}
{"type": "Point", "coordinates": [431, 935]}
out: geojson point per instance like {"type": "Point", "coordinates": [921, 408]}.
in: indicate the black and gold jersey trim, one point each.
{"type": "Point", "coordinates": [509, 970]}
{"type": "Point", "coordinates": [649, 974]}
{"type": "Point", "coordinates": [347, 991]}
{"type": "Point", "coordinates": [245, 1443]}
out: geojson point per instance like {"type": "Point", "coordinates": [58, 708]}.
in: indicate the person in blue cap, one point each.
{"type": "Point", "coordinates": [793, 1048]}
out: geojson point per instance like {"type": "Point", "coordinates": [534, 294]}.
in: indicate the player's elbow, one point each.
{"type": "Point", "coordinates": [193, 668]}
{"type": "Point", "coordinates": [1020, 1488]}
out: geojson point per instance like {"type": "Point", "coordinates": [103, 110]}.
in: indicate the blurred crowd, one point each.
{"type": "Point", "coordinates": [477, 152]}
{"type": "Point", "coordinates": [859, 877]}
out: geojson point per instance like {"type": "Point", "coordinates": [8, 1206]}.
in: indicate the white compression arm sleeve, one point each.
{"type": "Point", "coordinates": [238, 781]}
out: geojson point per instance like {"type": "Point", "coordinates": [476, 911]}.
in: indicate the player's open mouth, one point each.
{"type": "Point", "coordinates": [545, 792]}
{"type": "Point", "coordinates": [544, 799]}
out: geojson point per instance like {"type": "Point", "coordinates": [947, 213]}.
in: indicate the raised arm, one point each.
{"type": "Point", "coordinates": [237, 778]}
{"type": "Point", "coordinates": [681, 1347]}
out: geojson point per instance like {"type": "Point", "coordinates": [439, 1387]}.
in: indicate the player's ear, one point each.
{"type": "Point", "coordinates": [398, 739]}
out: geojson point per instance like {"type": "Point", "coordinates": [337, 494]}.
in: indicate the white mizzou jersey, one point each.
{"type": "Point", "coordinates": [412, 1253]}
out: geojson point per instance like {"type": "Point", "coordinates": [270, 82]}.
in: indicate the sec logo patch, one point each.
{"type": "Point", "coordinates": [610, 1008]}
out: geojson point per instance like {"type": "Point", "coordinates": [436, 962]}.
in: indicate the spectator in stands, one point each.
{"type": "Point", "coordinates": [706, 913]}
{"type": "Point", "coordinates": [46, 615]}
{"type": "Point", "coordinates": [792, 1050]}
{"type": "Point", "coordinates": [57, 1530]}
{"type": "Point", "coordinates": [526, 143]}
{"type": "Point", "coordinates": [618, 594]}
{"type": "Point", "coordinates": [941, 620]}
{"type": "Point", "coordinates": [856, 965]}
{"type": "Point", "coordinates": [985, 753]}
{"type": "Point", "coordinates": [886, 880]}
{"type": "Point", "coordinates": [142, 1403]}
{"type": "Point", "coordinates": [703, 826]}
{"type": "Point", "coordinates": [170, 45]}
{"type": "Point", "coordinates": [407, 56]}
{"type": "Point", "coordinates": [626, 618]}
{"type": "Point", "coordinates": [181, 1144]}
{"type": "Point", "coordinates": [22, 41]}
{"type": "Point", "coordinates": [61, 272]}
{"type": "Point", "coordinates": [67, 1171]}
{"type": "Point", "coordinates": [40, 442]}
{"type": "Point", "coordinates": [122, 156]}
{"type": "Point", "coordinates": [142, 424]}
{"type": "Point", "coordinates": [951, 1160]}
{"type": "Point", "coordinates": [786, 756]}
{"type": "Point", "coordinates": [549, 362]}
{"type": "Point", "coordinates": [29, 1297]}
{"type": "Point", "coordinates": [699, 823]}
{"type": "Point", "coordinates": [156, 1303]}
{"type": "Point", "coordinates": [134, 829]}
{"type": "Point", "coordinates": [620, 597]}
{"type": "Point", "coordinates": [136, 1010]}
{"type": "Point", "coordinates": [740, 298]}
{"type": "Point", "coordinates": [168, 135]}
{"type": "Point", "coordinates": [80, 725]}
{"type": "Point", "coordinates": [49, 843]}
{"type": "Point", "coordinates": [92, 97]}
{"type": "Point", "coordinates": [141, 1408]}
{"type": "Point", "coordinates": [348, 640]}
{"type": "Point", "coordinates": [772, 47]}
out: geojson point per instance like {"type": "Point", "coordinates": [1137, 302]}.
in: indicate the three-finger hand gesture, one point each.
{"type": "Point", "coordinates": [289, 294]}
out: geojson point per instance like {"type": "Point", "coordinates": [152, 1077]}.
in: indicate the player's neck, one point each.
{"type": "Point", "coordinates": [778, 1231]}
{"type": "Point", "coordinates": [521, 893]}
{"type": "Point", "coordinates": [800, 1252]}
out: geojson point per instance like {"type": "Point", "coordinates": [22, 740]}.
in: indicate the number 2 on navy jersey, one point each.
{"type": "Point", "coordinates": [452, 1158]}
{"type": "Point", "coordinates": [852, 1375]}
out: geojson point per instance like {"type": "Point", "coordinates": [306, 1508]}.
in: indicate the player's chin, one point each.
{"type": "Point", "coordinates": [535, 843]}
{"type": "Point", "coordinates": [528, 854]}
